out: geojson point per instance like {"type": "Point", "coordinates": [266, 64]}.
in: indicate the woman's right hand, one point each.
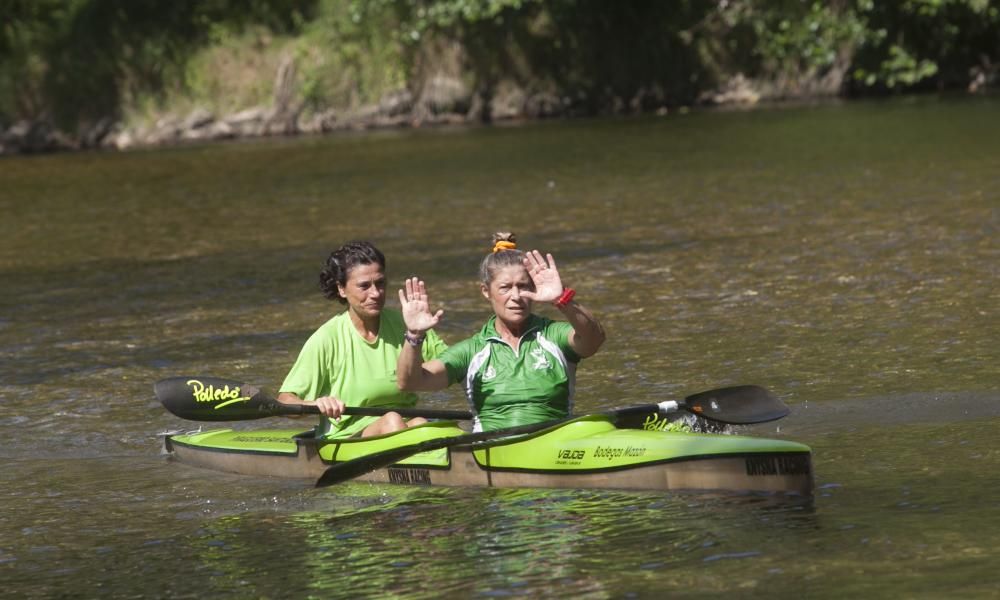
{"type": "Point", "coordinates": [416, 308]}
{"type": "Point", "coordinates": [330, 407]}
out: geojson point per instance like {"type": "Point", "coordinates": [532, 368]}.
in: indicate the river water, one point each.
{"type": "Point", "coordinates": [844, 256]}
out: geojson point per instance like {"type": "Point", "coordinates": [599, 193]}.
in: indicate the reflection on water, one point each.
{"type": "Point", "coordinates": [844, 257]}
{"type": "Point", "coordinates": [890, 502]}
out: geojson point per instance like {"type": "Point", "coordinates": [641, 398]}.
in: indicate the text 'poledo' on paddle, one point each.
{"type": "Point", "coordinates": [205, 398]}
{"type": "Point", "coordinates": [619, 448]}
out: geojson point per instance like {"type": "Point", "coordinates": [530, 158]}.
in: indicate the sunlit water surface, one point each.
{"type": "Point", "coordinates": [843, 256]}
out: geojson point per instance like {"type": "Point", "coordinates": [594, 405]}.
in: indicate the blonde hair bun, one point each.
{"type": "Point", "coordinates": [504, 240]}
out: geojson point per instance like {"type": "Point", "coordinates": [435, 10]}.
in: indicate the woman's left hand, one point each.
{"type": "Point", "coordinates": [416, 308]}
{"type": "Point", "coordinates": [545, 276]}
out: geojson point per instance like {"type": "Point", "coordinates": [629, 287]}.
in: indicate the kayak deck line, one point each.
{"type": "Point", "coordinates": [588, 452]}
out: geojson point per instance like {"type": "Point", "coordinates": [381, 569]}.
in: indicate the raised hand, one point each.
{"type": "Point", "coordinates": [416, 309]}
{"type": "Point", "coordinates": [543, 272]}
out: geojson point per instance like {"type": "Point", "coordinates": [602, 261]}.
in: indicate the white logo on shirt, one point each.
{"type": "Point", "coordinates": [541, 360]}
{"type": "Point", "coordinates": [490, 373]}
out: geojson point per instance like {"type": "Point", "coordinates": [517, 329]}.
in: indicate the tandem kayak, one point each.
{"type": "Point", "coordinates": [584, 452]}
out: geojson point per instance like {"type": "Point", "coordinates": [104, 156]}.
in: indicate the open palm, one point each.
{"type": "Point", "coordinates": [416, 308]}
{"type": "Point", "coordinates": [545, 276]}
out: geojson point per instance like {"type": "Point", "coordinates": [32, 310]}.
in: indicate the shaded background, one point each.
{"type": "Point", "coordinates": [108, 73]}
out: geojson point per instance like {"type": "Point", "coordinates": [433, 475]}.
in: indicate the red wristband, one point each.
{"type": "Point", "coordinates": [566, 298]}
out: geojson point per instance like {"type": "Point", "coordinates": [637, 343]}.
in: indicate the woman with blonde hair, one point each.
{"type": "Point", "coordinates": [520, 368]}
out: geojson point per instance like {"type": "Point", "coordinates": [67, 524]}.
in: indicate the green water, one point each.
{"type": "Point", "coordinates": [843, 256]}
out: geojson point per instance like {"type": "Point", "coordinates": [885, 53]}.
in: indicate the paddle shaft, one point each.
{"type": "Point", "coordinates": [291, 410]}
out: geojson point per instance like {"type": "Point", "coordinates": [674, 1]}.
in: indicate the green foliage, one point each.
{"type": "Point", "coordinates": [25, 28]}
{"type": "Point", "coordinates": [96, 53]}
{"type": "Point", "coordinates": [899, 68]}
{"type": "Point", "coordinates": [76, 61]}
{"type": "Point", "coordinates": [915, 43]}
{"type": "Point", "coordinates": [417, 18]}
{"type": "Point", "coordinates": [801, 37]}
{"type": "Point", "coordinates": [350, 54]}
{"type": "Point", "coordinates": [594, 53]}
{"type": "Point", "coordinates": [233, 72]}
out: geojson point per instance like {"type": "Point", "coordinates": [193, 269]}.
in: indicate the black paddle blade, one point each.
{"type": "Point", "coordinates": [217, 399]}
{"type": "Point", "coordinates": [738, 405]}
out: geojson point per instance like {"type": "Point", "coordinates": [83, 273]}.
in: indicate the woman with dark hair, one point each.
{"type": "Point", "coordinates": [351, 359]}
{"type": "Point", "coordinates": [521, 367]}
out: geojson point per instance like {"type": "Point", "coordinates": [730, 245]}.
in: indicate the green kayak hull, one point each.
{"type": "Point", "coordinates": [588, 452]}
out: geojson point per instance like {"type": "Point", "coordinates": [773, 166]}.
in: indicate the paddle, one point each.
{"type": "Point", "coordinates": [736, 405]}
{"type": "Point", "coordinates": [218, 399]}
{"type": "Point", "coordinates": [745, 404]}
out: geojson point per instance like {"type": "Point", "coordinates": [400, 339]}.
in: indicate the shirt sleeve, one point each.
{"type": "Point", "coordinates": [558, 331]}
{"type": "Point", "coordinates": [308, 376]}
{"type": "Point", "coordinates": [433, 346]}
{"type": "Point", "coordinates": [456, 360]}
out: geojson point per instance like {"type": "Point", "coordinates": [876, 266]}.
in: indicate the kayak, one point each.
{"type": "Point", "coordinates": [584, 452]}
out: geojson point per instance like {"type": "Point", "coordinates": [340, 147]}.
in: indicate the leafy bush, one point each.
{"type": "Point", "coordinates": [78, 61]}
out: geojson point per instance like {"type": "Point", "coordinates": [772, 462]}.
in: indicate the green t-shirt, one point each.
{"type": "Point", "coordinates": [337, 361]}
{"type": "Point", "coordinates": [508, 388]}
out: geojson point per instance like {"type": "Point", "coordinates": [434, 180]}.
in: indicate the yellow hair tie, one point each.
{"type": "Point", "coordinates": [503, 245]}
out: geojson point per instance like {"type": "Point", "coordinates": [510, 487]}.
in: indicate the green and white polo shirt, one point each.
{"type": "Point", "coordinates": [508, 388]}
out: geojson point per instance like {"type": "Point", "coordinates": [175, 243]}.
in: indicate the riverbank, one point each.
{"type": "Point", "coordinates": [447, 103]}
{"type": "Point", "coordinates": [145, 76]}
{"type": "Point", "coordinates": [442, 100]}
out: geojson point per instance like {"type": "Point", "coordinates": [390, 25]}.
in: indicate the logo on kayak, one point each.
{"type": "Point", "coordinates": [410, 476]}
{"type": "Point", "coordinates": [571, 454]}
{"type": "Point", "coordinates": [777, 465]}
{"type": "Point", "coordinates": [655, 423]}
{"type": "Point", "coordinates": [613, 452]}
{"type": "Point", "coordinates": [210, 393]}
{"type": "Point", "coordinates": [262, 439]}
